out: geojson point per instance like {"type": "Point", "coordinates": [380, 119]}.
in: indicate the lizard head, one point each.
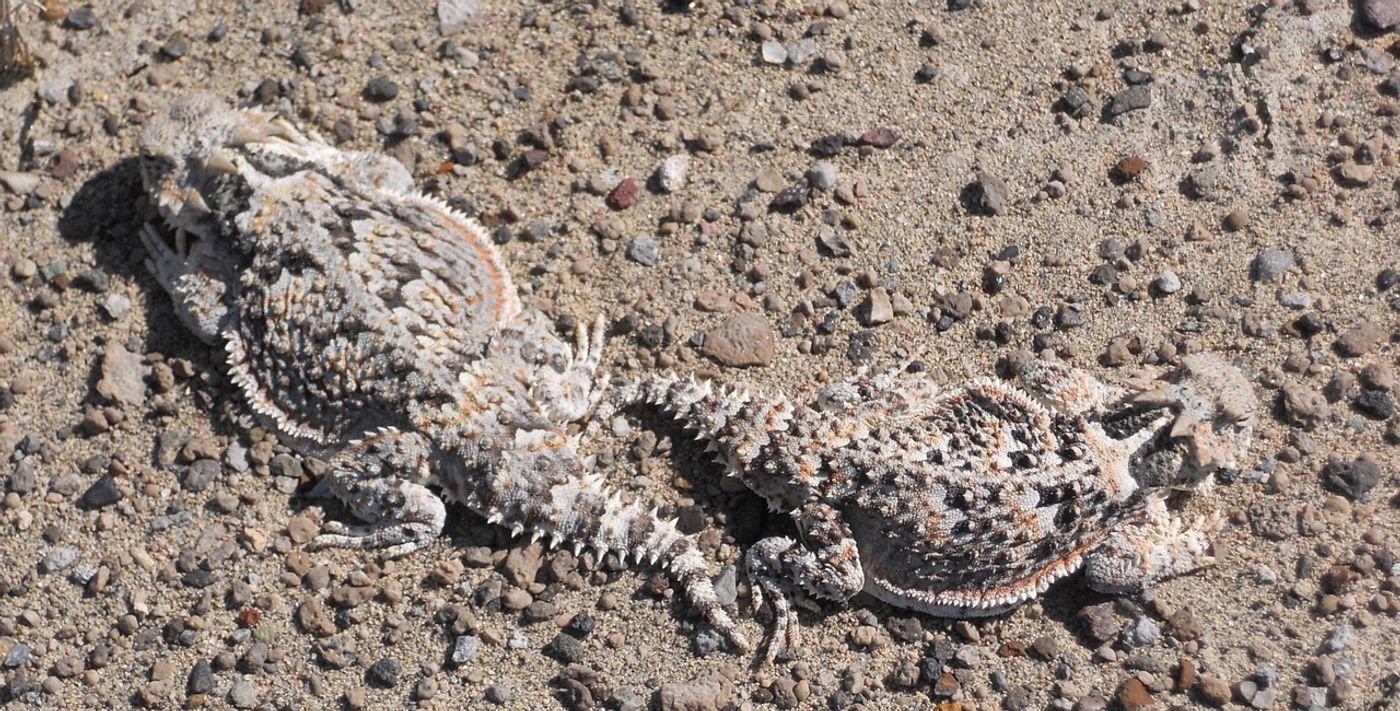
{"type": "Point", "coordinates": [188, 150]}
{"type": "Point", "coordinates": [1213, 410]}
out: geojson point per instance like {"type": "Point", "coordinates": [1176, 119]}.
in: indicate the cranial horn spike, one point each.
{"type": "Point", "coordinates": [282, 129]}
{"type": "Point", "coordinates": [1184, 425]}
{"type": "Point", "coordinates": [243, 135]}
{"type": "Point", "coordinates": [196, 202]}
{"type": "Point", "coordinates": [220, 162]}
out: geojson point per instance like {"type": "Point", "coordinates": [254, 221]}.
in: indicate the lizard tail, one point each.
{"type": "Point", "coordinates": [583, 511]}
{"type": "Point", "coordinates": [713, 412]}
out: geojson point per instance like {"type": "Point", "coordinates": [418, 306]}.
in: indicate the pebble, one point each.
{"type": "Point", "coordinates": [726, 585]}
{"type": "Point", "coordinates": [1375, 404]}
{"type": "Point", "coordinates": [1304, 406]}
{"type": "Point", "coordinates": [1340, 639]}
{"type": "Point", "coordinates": [464, 649]}
{"type": "Point", "coordinates": [1167, 282]}
{"type": "Point", "coordinates": [1355, 174]}
{"type": "Point", "coordinates": [102, 493]}
{"type": "Point", "coordinates": [1077, 102]}
{"type": "Point", "coordinates": [1134, 98]}
{"type": "Point", "coordinates": [453, 15]}
{"type": "Point", "coordinates": [201, 678]}
{"type": "Point", "coordinates": [1352, 479]}
{"type": "Point", "coordinates": [58, 559]}
{"type": "Point", "coordinates": [1382, 14]}
{"type": "Point", "coordinates": [876, 309]}
{"type": "Point", "coordinates": [743, 340]}
{"type": "Point", "coordinates": [791, 198]}
{"type": "Point", "coordinates": [1133, 695]}
{"type": "Point", "coordinates": [1271, 264]}
{"type": "Point", "coordinates": [1360, 339]}
{"type": "Point", "coordinates": [1213, 690]}
{"type": "Point", "coordinates": [500, 694]}
{"type": "Point", "coordinates": [1099, 621]}
{"type": "Point", "coordinates": [1387, 279]}
{"type": "Point", "coordinates": [644, 250]}
{"type": "Point", "coordinates": [774, 52]}
{"type": "Point", "coordinates": [768, 180]}
{"type": "Point", "coordinates": [822, 175]}
{"type": "Point", "coordinates": [565, 648]}
{"type": "Point", "coordinates": [707, 693]}
{"type": "Point", "coordinates": [243, 695]}
{"type": "Point", "coordinates": [116, 306]}
{"type": "Point", "coordinates": [879, 137]}
{"type": "Point", "coordinates": [19, 183]}
{"type": "Point", "coordinates": [381, 89]}
{"type": "Point", "coordinates": [1142, 632]}
{"type": "Point", "coordinates": [989, 194]}
{"type": "Point", "coordinates": [623, 194]}
{"type": "Point", "coordinates": [384, 673]}
{"type": "Point", "coordinates": [17, 656]}
{"type": "Point", "coordinates": [516, 599]}
{"type": "Point", "coordinates": [121, 376]}
{"type": "Point", "coordinates": [802, 50]}
{"type": "Point", "coordinates": [671, 175]}
{"type": "Point", "coordinates": [82, 17]}
{"type": "Point", "coordinates": [1235, 220]}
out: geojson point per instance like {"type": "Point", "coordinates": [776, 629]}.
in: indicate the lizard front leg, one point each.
{"type": "Point", "coordinates": [198, 292]}
{"type": "Point", "coordinates": [1142, 552]}
{"type": "Point", "coordinates": [826, 564]}
{"type": "Point", "coordinates": [380, 479]}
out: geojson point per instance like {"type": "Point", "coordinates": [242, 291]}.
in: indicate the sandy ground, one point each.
{"type": "Point", "coordinates": [1265, 126]}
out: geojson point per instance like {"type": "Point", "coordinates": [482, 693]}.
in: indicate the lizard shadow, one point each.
{"type": "Point", "coordinates": [107, 211]}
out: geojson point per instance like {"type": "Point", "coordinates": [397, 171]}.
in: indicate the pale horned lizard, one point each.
{"type": "Point", "coordinates": [973, 500]}
{"type": "Point", "coordinates": [378, 328]}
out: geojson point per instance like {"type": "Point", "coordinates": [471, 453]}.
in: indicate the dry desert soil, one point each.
{"type": "Point", "coordinates": [857, 183]}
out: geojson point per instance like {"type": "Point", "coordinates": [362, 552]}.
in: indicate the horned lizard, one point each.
{"type": "Point", "coordinates": [378, 328]}
{"type": "Point", "coordinates": [973, 500]}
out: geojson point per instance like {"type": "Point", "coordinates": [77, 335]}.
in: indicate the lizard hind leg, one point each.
{"type": "Point", "coordinates": [198, 293]}
{"type": "Point", "coordinates": [826, 565]}
{"type": "Point", "coordinates": [567, 384]}
{"type": "Point", "coordinates": [380, 479]}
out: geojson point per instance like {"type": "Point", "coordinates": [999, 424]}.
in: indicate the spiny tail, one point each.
{"type": "Point", "coordinates": [586, 513]}
{"type": "Point", "coordinates": [724, 415]}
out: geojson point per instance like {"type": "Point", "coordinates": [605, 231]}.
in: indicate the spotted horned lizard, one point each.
{"type": "Point", "coordinates": [970, 501]}
{"type": "Point", "coordinates": [379, 329]}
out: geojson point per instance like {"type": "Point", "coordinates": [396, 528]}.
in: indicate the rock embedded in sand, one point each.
{"type": "Point", "coordinates": [989, 193]}
{"type": "Point", "coordinates": [670, 177]}
{"type": "Point", "coordinates": [1271, 264]}
{"type": "Point", "coordinates": [1352, 479]}
{"type": "Point", "coordinates": [876, 309]}
{"type": "Point", "coordinates": [742, 341]}
{"type": "Point", "coordinates": [121, 376]}
{"type": "Point", "coordinates": [707, 693]}
{"type": "Point", "coordinates": [1304, 406]}
{"type": "Point", "coordinates": [1134, 98]}
{"type": "Point", "coordinates": [1382, 14]}
{"type": "Point", "coordinates": [1360, 339]}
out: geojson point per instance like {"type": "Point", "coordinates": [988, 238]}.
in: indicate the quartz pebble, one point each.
{"type": "Point", "coordinates": [671, 175]}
